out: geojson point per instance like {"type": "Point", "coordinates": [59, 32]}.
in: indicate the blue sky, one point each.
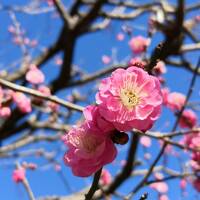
{"type": "Point", "coordinates": [88, 52]}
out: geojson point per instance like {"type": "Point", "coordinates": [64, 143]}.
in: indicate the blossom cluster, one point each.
{"type": "Point", "coordinates": [128, 99]}
{"type": "Point", "coordinates": [188, 119]}
{"type": "Point", "coordinates": [36, 78]}
{"type": "Point", "coordinates": [175, 101]}
{"type": "Point", "coordinates": [192, 140]}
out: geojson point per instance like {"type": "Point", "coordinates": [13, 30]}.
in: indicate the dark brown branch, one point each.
{"type": "Point", "coordinates": [94, 185]}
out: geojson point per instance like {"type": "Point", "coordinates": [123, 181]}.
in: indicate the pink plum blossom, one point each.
{"type": "Point", "coordinates": [1, 94]}
{"type": "Point", "coordinates": [160, 187]}
{"type": "Point", "coordinates": [160, 68]}
{"type": "Point", "coordinates": [196, 184]}
{"type": "Point", "coordinates": [195, 165]}
{"type": "Point", "coordinates": [88, 150]}
{"type": "Point", "coordinates": [32, 166]}
{"type": "Point", "coordinates": [44, 90]}
{"type": "Point", "coordinates": [137, 62]}
{"type": "Point", "coordinates": [12, 29]}
{"type": "Point", "coordinates": [158, 176]}
{"type": "Point", "coordinates": [188, 119]}
{"type": "Point", "coordinates": [145, 141]}
{"type": "Point", "coordinates": [22, 102]}
{"type": "Point", "coordinates": [53, 106]}
{"type": "Point", "coordinates": [183, 184]}
{"type": "Point", "coordinates": [18, 175]}
{"type": "Point", "coordinates": [175, 101]}
{"type": "Point", "coordinates": [163, 197]}
{"type": "Point", "coordinates": [33, 43]}
{"type": "Point", "coordinates": [106, 59]}
{"type": "Point", "coordinates": [58, 61]}
{"type": "Point", "coordinates": [120, 36]}
{"type": "Point", "coordinates": [57, 167]}
{"type": "Point", "coordinates": [165, 92]}
{"type": "Point", "coordinates": [105, 178]}
{"type": "Point", "coordinates": [5, 112]}
{"type": "Point", "coordinates": [35, 75]}
{"type": "Point", "coordinates": [92, 115]}
{"type": "Point", "coordinates": [147, 156]}
{"type": "Point", "coordinates": [130, 99]}
{"type": "Point", "coordinates": [139, 44]}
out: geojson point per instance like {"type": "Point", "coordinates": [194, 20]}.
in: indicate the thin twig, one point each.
{"type": "Point", "coordinates": [94, 185]}
{"type": "Point", "coordinates": [40, 95]}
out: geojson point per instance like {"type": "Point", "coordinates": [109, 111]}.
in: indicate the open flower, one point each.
{"type": "Point", "coordinates": [130, 99]}
{"type": "Point", "coordinates": [88, 150]}
{"type": "Point", "coordinates": [35, 75]}
{"type": "Point", "coordinates": [165, 92]}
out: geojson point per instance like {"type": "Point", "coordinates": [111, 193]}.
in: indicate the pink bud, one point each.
{"type": "Point", "coordinates": [106, 59]}
{"type": "Point", "coordinates": [120, 37]}
{"type": "Point", "coordinates": [105, 178]}
{"type": "Point", "coordinates": [18, 175]}
{"type": "Point", "coordinates": [139, 44]}
{"type": "Point", "coordinates": [22, 101]}
{"type": "Point", "coordinates": [11, 29]}
{"type": "Point", "coordinates": [145, 141]}
{"type": "Point", "coordinates": [57, 167]}
{"type": "Point", "coordinates": [5, 112]}
{"type": "Point", "coordinates": [183, 184]}
{"type": "Point", "coordinates": [33, 43]}
{"type": "Point", "coordinates": [44, 90]}
{"type": "Point", "coordinates": [163, 197]}
{"type": "Point", "coordinates": [160, 187]}
{"type": "Point", "coordinates": [58, 61]}
{"type": "Point", "coordinates": [35, 76]}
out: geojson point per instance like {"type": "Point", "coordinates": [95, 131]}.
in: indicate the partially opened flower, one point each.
{"type": "Point", "coordinates": [22, 101]}
{"type": "Point", "coordinates": [139, 44]}
{"type": "Point", "coordinates": [188, 119]}
{"type": "Point", "coordinates": [138, 62]}
{"type": "Point", "coordinates": [130, 99]}
{"type": "Point", "coordinates": [160, 187]}
{"type": "Point", "coordinates": [35, 75]}
{"type": "Point", "coordinates": [160, 68]}
{"type": "Point", "coordinates": [145, 141]}
{"type": "Point", "coordinates": [105, 178]}
{"type": "Point", "coordinates": [183, 184]}
{"type": "Point", "coordinates": [18, 175]}
{"type": "Point", "coordinates": [96, 121]}
{"type": "Point", "coordinates": [88, 150]}
{"type": "Point", "coordinates": [44, 90]}
{"type": "Point", "coordinates": [175, 101]}
{"type": "Point", "coordinates": [5, 112]}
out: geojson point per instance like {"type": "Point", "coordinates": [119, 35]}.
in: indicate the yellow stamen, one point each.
{"type": "Point", "coordinates": [129, 98]}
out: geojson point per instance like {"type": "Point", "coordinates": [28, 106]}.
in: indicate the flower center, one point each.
{"type": "Point", "coordinates": [129, 98]}
{"type": "Point", "coordinates": [89, 144]}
